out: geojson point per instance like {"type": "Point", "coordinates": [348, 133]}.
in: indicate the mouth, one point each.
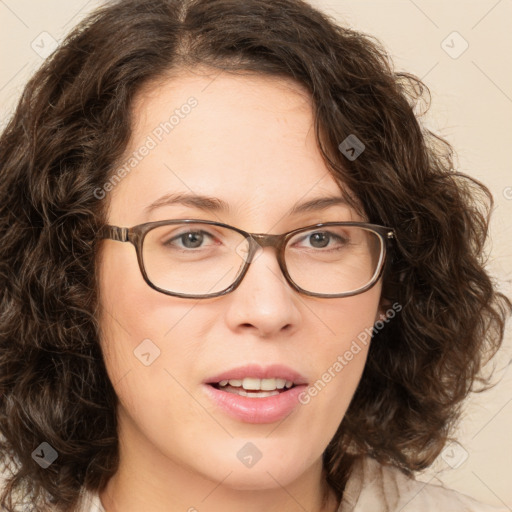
{"type": "Point", "coordinates": [254, 387]}
{"type": "Point", "coordinates": [255, 394]}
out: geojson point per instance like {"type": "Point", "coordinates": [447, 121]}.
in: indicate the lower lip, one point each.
{"type": "Point", "coordinates": [256, 410]}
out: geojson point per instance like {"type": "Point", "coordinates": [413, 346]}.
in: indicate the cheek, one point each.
{"type": "Point", "coordinates": [340, 356]}
{"type": "Point", "coordinates": [138, 326]}
{"type": "Point", "coordinates": [144, 335]}
{"type": "Point", "coordinates": [341, 325]}
{"type": "Point", "coordinates": [132, 311]}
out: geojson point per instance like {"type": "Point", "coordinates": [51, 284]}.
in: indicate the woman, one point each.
{"type": "Point", "coordinates": [236, 273]}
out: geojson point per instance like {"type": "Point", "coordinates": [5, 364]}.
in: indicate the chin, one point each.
{"type": "Point", "coordinates": [266, 478]}
{"type": "Point", "coordinates": [271, 466]}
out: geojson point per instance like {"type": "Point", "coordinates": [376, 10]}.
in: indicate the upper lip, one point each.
{"type": "Point", "coordinates": [274, 371]}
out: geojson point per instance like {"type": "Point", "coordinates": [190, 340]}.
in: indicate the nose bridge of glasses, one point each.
{"type": "Point", "coordinates": [257, 241]}
{"type": "Point", "coordinates": [266, 240]}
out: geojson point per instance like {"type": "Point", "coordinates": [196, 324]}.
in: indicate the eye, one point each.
{"type": "Point", "coordinates": [191, 239]}
{"type": "Point", "coordinates": [323, 239]}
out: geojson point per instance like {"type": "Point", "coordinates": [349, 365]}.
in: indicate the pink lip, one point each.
{"type": "Point", "coordinates": [257, 410]}
{"type": "Point", "coordinates": [253, 370]}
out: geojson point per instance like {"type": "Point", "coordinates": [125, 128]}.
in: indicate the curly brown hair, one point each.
{"type": "Point", "coordinates": [65, 139]}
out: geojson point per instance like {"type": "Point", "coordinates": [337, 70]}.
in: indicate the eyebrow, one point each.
{"type": "Point", "coordinates": [214, 204]}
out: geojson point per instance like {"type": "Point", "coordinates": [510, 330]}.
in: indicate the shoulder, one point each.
{"type": "Point", "coordinates": [379, 488]}
{"type": "Point", "coordinates": [90, 502]}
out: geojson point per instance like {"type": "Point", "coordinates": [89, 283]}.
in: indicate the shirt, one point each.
{"type": "Point", "coordinates": [372, 487]}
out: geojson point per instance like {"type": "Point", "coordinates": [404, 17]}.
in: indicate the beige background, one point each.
{"type": "Point", "coordinates": [472, 106]}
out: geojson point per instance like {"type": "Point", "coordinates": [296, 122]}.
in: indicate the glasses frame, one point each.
{"type": "Point", "coordinates": [136, 234]}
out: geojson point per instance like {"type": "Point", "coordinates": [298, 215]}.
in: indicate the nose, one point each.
{"type": "Point", "coordinates": [264, 302]}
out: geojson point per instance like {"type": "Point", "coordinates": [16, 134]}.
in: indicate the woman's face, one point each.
{"type": "Point", "coordinates": [249, 142]}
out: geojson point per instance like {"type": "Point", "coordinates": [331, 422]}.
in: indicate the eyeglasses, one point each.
{"type": "Point", "coordinates": [201, 259]}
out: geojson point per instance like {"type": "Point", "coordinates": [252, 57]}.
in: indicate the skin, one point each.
{"type": "Point", "coordinates": [250, 142]}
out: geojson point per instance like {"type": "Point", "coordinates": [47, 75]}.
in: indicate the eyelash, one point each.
{"type": "Point", "coordinates": [332, 236]}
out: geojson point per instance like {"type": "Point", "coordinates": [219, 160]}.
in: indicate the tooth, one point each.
{"type": "Point", "coordinates": [251, 383]}
{"type": "Point", "coordinates": [263, 394]}
{"type": "Point", "coordinates": [268, 384]}
{"type": "Point", "coordinates": [251, 394]}
{"type": "Point", "coordinates": [237, 391]}
{"type": "Point", "coordinates": [254, 384]}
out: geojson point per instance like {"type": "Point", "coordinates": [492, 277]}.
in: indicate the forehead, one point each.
{"type": "Point", "coordinates": [247, 139]}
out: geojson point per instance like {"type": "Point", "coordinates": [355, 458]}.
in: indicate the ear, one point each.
{"type": "Point", "coordinates": [384, 306]}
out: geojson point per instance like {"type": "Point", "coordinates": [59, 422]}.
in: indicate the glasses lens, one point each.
{"type": "Point", "coordinates": [202, 259]}
{"type": "Point", "coordinates": [334, 259]}
{"type": "Point", "coordinates": [193, 258]}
